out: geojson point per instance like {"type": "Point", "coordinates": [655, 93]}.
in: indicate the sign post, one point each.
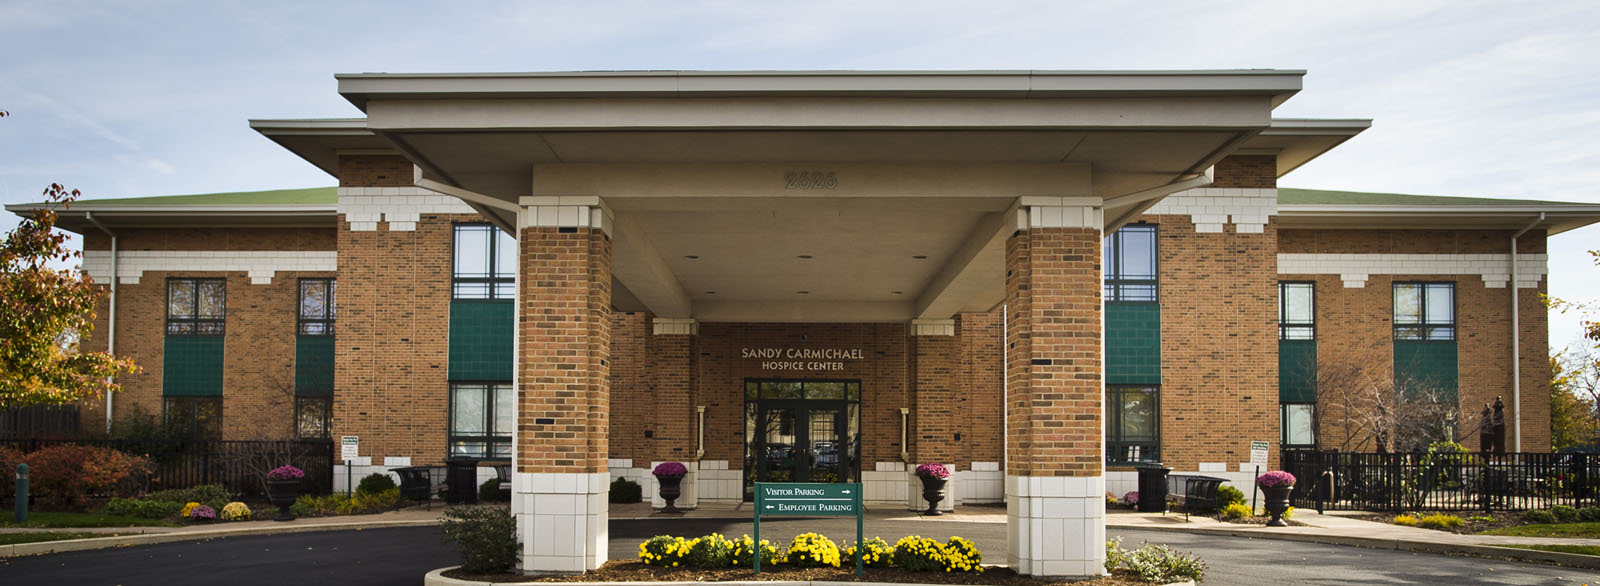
{"type": "Point", "coordinates": [1258, 458]}
{"type": "Point", "coordinates": [349, 450]}
{"type": "Point", "coordinates": [807, 499]}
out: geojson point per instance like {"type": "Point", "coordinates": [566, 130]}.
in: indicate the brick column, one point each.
{"type": "Point", "coordinates": [563, 389]}
{"type": "Point", "coordinates": [1054, 485]}
{"type": "Point", "coordinates": [935, 355]}
{"type": "Point", "coordinates": [672, 358]}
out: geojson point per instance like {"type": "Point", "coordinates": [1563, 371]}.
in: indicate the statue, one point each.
{"type": "Point", "coordinates": [1486, 431]}
{"type": "Point", "coordinates": [1499, 426]}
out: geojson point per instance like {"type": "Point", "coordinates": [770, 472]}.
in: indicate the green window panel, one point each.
{"type": "Point", "coordinates": [1422, 367]}
{"type": "Point", "coordinates": [482, 337]}
{"type": "Point", "coordinates": [1133, 343]}
{"type": "Point", "coordinates": [313, 366]}
{"type": "Point", "coordinates": [191, 366]}
{"type": "Point", "coordinates": [1297, 371]}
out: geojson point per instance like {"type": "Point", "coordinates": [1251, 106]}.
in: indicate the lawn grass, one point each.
{"type": "Point", "coordinates": [1578, 549]}
{"type": "Point", "coordinates": [1588, 530]}
{"type": "Point", "coordinates": [15, 538]}
{"type": "Point", "coordinates": [75, 520]}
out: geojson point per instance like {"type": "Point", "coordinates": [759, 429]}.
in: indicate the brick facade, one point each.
{"type": "Point", "coordinates": [564, 337]}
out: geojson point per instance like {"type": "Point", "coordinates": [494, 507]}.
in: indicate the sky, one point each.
{"type": "Point", "coordinates": [1469, 98]}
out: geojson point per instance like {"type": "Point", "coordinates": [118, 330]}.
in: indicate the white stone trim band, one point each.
{"type": "Point", "coordinates": [564, 212]}
{"type": "Point", "coordinates": [1210, 208]}
{"type": "Point", "coordinates": [1353, 269]}
{"type": "Point", "coordinates": [1056, 525]}
{"type": "Point", "coordinates": [675, 326]}
{"type": "Point", "coordinates": [1059, 212]}
{"type": "Point", "coordinates": [561, 521]}
{"type": "Point", "coordinates": [401, 207]}
{"type": "Point", "coordinates": [261, 265]}
{"type": "Point", "coordinates": [933, 327]}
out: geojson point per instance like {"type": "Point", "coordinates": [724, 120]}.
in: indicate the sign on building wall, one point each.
{"type": "Point", "coordinates": [777, 358]}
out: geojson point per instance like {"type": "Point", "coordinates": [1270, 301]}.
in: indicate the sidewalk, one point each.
{"type": "Point", "coordinates": [124, 536]}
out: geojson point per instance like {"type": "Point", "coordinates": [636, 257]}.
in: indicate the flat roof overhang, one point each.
{"type": "Point", "coordinates": [1558, 217]}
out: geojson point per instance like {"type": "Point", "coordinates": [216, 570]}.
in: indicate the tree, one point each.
{"type": "Point", "coordinates": [1571, 416]}
{"type": "Point", "coordinates": [1367, 407]}
{"type": "Point", "coordinates": [44, 312]}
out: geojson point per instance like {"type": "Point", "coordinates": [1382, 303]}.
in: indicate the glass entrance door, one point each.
{"type": "Point", "coordinates": [801, 431]}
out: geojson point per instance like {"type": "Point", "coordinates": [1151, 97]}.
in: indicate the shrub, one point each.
{"type": "Point", "coordinates": [205, 493]}
{"type": "Point", "coordinates": [812, 550]}
{"type": "Point", "coordinates": [9, 459]}
{"type": "Point", "coordinates": [485, 536]}
{"type": "Point", "coordinates": [962, 555]}
{"type": "Point", "coordinates": [67, 474]}
{"type": "Point", "coordinates": [1111, 501]}
{"type": "Point", "coordinates": [188, 508]}
{"type": "Point", "coordinates": [1236, 511]}
{"type": "Point", "coordinates": [744, 550]}
{"type": "Point", "coordinates": [1115, 555]}
{"type": "Point", "coordinates": [1405, 520]}
{"type": "Point", "coordinates": [1537, 516]}
{"type": "Point", "coordinates": [375, 483]}
{"type": "Point", "coordinates": [670, 469]}
{"type": "Point", "coordinates": [1272, 478]}
{"type": "Point", "coordinates": [142, 508]}
{"type": "Point", "coordinates": [202, 513]}
{"type": "Point", "coordinates": [919, 554]}
{"type": "Point", "coordinates": [1228, 495]}
{"type": "Point", "coordinates": [1439, 521]}
{"type": "Point", "coordinates": [236, 511]}
{"type": "Point", "coordinates": [1131, 499]}
{"type": "Point", "coordinates": [1488, 519]}
{"type": "Point", "coordinates": [876, 553]}
{"type": "Point", "coordinates": [1162, 564]}
{"type": "Point", "coordinates": [1589, 514]}
{"type": "Point", "coordinates": [711, 551]}
{"type": "Point", "coordinates": [933, 470]}
{"type": "Point", "coordinates": [666, 551]}
{"type": "Point", "coordinates": [626, 491]}
{"type": "Point", "coordinates": [490, 492]}
{"type": "Point", "coordinates": [1564, 513]}
{"type": "Point", "coordinates": [372, 502]}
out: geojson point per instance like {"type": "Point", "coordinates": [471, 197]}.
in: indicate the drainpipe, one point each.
{"type": "Point", "coordinates": [111, 320]}
{"type": "Point", "coordinates": [1516, 342]}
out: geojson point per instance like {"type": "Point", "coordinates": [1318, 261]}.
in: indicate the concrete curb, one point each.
{"type": "Point", "coordinates": [91, 543]}
{"type": "Point", "coordinates": [1529, 555]}
{"type": "Point", "coordinates": [437, 578]}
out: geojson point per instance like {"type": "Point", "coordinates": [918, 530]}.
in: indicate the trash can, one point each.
{"type": "Point", "coordinates": [461, 480]}
{"type": "Point", "coordinates": [1153, 487]}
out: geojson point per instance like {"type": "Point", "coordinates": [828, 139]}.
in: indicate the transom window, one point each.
{"type": "Point", "coordinates": [196, 307]}
{"type": "Point", "coordinates": [1424, 311]}
{"type": "Point", "coordinates": [485, 263]}
{"type": "Point", "coordinates": [194, 417]}
{"type": "Point", "coordinates": [481, 419]}
{"type": "Point", "coordinates": [1297, 318]}
{"type": "Point", "coordinates": [1130, 263]}
{"type": "Point", "coordinates": [1299, 421]}
{"type": "Point", "coordinates": [1133, 424]}
{"type": "Point", "coordinates": [318, 305]}
{"type": "Point", "coordinates": [313, 417]}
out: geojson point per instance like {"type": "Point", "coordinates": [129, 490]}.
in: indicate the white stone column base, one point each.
{"type": "Point", "coordinates": [952, 491]}
{"type": "Point", "coordinates": [1056, 526]}
{"type": "Point", "coordinates": [690, 497]}
{"type": "Point", "coordinates": [718, 484]}
{"type": "Point", "coordinates": [561, 521]}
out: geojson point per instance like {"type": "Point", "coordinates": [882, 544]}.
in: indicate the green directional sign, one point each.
{"type": "Point", "coordinates": [807, 499]}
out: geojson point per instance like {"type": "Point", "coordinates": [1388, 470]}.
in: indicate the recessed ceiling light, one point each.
{"type": "Point", "coordinates": [805, 256]}
{"type": "Point", "coordinates": [899, 292]}
{"type": "Point", "coordinates": [711, 292]}
{"type": "Point", "coordinates": [920, 256]}
{"type": "Point", "coordinates": [803, 292]}
{"type": "Point", "coordinates": [690, 256]}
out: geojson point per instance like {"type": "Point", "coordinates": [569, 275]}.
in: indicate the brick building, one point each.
{"type": "Point", "coordinates": [1040, 279]}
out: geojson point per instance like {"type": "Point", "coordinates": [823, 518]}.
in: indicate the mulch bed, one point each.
{"type": "Point", "coordinates": [1260, 521]}
{"type": "Point", "coordinates": [634, 571]}
{"type": "Point", "coordinates": [1501, 519]}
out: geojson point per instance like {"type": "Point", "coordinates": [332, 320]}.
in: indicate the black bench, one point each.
{"type": "Point", "coordinates": [1196, 492]}
{"type": "Point", "coordinates": [416, 484]}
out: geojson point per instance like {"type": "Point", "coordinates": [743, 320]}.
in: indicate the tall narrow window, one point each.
{"type": "Point", "coordinates": [1424, 311]}
{"type": "Point", "coordinates": [1299, 425]}
{"type": "Point", "coordinates": [196, 307]}
{"type": "Point", "coordinates": [1133, 424]}
{"type": "Point", "coordinates": [313, 417]}
{"type": "Point", "coordinates": [485, 263]}
{"type": "Point", "coordinates": [194, 417]}
{"type": "Point", "coordinates": [481, 419]}
{"type": "Point", "coordinates": [318, 304]}
{"type": "Point", "coordinates": [1130, 264]}
{"type": "Point", "coordinates": [1297, 311]}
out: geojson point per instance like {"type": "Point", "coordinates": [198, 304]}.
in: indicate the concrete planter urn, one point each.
{"type": "Point", "coordinates": [670, 476]}
{"type": "Point", "coordinates": [934, 478]}
{"type": "Point", "coordinates": [1275, 487]}
{"type": "Point", "coordinates": [283, 488]}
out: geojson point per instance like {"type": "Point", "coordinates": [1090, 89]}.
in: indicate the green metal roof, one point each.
{"type": "Point", "coordinates": [1291, 196]}
{"type": "Point", "coordinates": [308, 196]}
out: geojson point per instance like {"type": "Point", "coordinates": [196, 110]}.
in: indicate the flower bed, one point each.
{"type": "Point", "coordinates": [633, 571]}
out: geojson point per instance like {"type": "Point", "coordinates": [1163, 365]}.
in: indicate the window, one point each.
{"type": "Point", "coordinates": [1424, 311]}
{"type": "Point", "coordinates": [318, 306]}
{"type": "Point", "coordinates": [1297, 311]}
{"type": "Point", "coordinates": [1133, 424]}
{"type": "Point", "coordinates": [313, 417]}
{"type": "Point", "coordinates": [195, 417]}
{"type": "Point", "coordinates": [195, 307]}
{"type": "Point", "coordinates": [481, 419]}
{"type": "Point", "coordinates": [1130, 264]}
{"type": "Point", "coordinates": [485, 263]}
{"type": "Point", "coordinates": [1299, 423]}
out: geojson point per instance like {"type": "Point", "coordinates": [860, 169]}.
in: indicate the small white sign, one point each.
{"type": "Point", "coordinates": [349, 447]}
{"type": "Point", "coordinates": [1258, 454]}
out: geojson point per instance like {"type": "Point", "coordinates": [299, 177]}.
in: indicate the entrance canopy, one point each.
{"type": "Point", "coordinates": [812, 196]}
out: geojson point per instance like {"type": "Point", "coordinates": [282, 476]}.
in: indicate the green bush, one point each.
{"type": "Point", "coordinates": [142, 508]}
{"type": "Point", "coordinates": [711, 551]}
{"type": "Point", "coordinates": [1115, 555]}
{"type": "Point", "coordinates": [668, 551]}
{"type": "Point", "coordinates": [1564, 514]}
{"type": "Point", "coordinates": [1405, 520]}
{"type": "Point", "coordinates": [744, 550]}
{"type": "Point", "coordinates": [812, 550]}
{"type": "Point", "coordinates": [1228, 495]}
{"type": "Point", "coordinates": [1589, 514]}
{"type": "Point", "coordinates": [626, 491]}
{"type": "Point", "coordinates": [919, 554]}
{"type": "Point", "coordinates": [1236, 511]}
{"type": "Point", "coordinates": [1439, 521]}
{"type": "Point", "coordinates": [204, 494]}
{"type": "Point", "coordinates": [1488, 519]}
{"type": "Point", "coordinates": [485, 536]}
{"type": "Point", "coordinates": [961, 555]}
{"type": "Point", "coordinates": [1537, 516]}
{"type": "Point", "coordinates": [1163, 565]}
{"type": "Point", "coordinates": [375, 483]}
{"type": "Point", "coordinates": [490, 492]}
{"type": "Point", "coordinates": [878, 554]}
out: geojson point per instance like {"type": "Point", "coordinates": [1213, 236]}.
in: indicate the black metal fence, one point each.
{"type": "Point", "coordinates": [240, 466]}
{"type": "Point", "coordinates": [1343, 481]}
{"type": "Point", "coordinates": [39, 421]}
